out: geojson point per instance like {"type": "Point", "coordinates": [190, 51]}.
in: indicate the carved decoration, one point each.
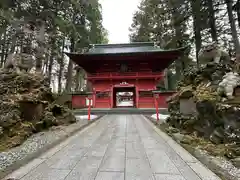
{"type": "Point", "coordinates": [19, 62]}
{"type": "Point", "coordinates": [228, 84]}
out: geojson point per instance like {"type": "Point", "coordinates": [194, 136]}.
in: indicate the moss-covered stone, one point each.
{"type": "Point", "coordinates": [216, 125]}
{"type": "Point", "coordinates": [27, 105]}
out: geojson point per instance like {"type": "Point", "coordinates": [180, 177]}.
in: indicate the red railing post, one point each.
{"type": "Point", "coordinates": [89, 108]}
{"type": "Point", "coordinates": [156, 105]}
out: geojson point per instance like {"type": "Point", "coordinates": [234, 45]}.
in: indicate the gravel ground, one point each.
{"type": "Point", "coordinates": [220, 164]}
{"type": "Point", "coordinates": [226, 165]}
{"type": "Point", "coordinates": [36, 143]}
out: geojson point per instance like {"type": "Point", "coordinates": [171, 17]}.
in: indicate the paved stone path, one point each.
{"type": "Point", "coordinates": [118, 147]}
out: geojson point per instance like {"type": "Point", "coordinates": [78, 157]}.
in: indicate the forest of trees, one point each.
{"type": "Point", "coordinates": [56, 26]}
{"type": "Point", "coordinates": [178, 23]}
{"type": "Point", "coordinates": [45, 29]}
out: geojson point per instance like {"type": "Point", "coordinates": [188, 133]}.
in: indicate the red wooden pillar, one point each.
{"type": "Point", "coordinates": [110, 98]}
{"type": "Point", "coordinates": [136, 96]}
{"type": "Point", "coordinates": [111, 106]}
{"type": "Point", "coordinates": [94, 98]}
{"type": "Point", "coordinates": [90, 99]}
{"type": "Point", "coordinates": [156, 106]}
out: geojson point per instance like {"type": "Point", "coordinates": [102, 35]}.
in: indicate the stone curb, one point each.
{"type": "Point", "coordinates": [189, 158]}
{"type": "Point", "coordinates": [42, 150]}
{"type": "Point", "coordinates": [203, 158]}
{"type": "Point", "coordinates": [213, 166]}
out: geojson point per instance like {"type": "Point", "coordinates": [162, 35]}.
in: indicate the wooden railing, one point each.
{"type": "Point", "coordinates": [126, 74]}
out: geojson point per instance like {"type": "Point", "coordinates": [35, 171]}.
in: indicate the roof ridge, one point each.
{"type": "Point", "coordinates": [135, 44]}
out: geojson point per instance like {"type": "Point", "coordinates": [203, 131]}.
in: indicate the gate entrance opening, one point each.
{"type": "Point", "coordinates": [124, 97]}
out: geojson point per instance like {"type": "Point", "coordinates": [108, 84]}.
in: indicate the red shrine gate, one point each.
{"type": "Point", "coordinates": [134, 67]}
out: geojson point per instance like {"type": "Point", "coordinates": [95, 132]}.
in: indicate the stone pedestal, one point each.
{"type": "Point", "coordinates": [187, 106]}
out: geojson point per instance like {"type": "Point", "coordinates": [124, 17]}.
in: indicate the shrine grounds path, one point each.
{"type": "Point", "coordinates": [117, 147]}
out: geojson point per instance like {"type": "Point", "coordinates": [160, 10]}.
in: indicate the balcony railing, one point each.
{"type": "Point", "coordinates": [114, 75]}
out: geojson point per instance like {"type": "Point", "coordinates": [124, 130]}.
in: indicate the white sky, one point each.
{"type": "Point", "coordinates": [117, 18]}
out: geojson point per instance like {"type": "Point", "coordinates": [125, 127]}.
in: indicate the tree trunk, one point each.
{"type": "Point", "coordinates": [82, 80]}
{"type": "Point", "coordinates": [44, 69]}
{"type": "Point", "coordinates": [196, 5]}
{"type": "Point", "coordinates": [238, 14]}
{"type": "Point", "coordinates": [233, 29]}
{"type": "Point", "coordinates": [212, 20]}
{"type": "Point", "coordinates": [166, 80]}
{"type": "Point", "coordinates": [41, 43]}
{"type": "Point", "coordinates": [61, 68]}
{"type": "Point", "coordinates": [51, 59]}
{"type": "Point", "coordinates": [237, 9]}
{"type": "Point", "coordinates": [70, 63]}
{"type": "Point", "coordinates": [178, 35]}
{"type": "Point", "coordinates": [6, 51]}
{"type": "Point", "coordinates": [50, 65]}
{"type": "Point", "coordinates": [3, 48]}
{"type": "Point", "coordinates": [78, 77]}
{"type": "Point", "coordinates": [13, 44]}
{"type": "Point", "coordinates": [70, 68]}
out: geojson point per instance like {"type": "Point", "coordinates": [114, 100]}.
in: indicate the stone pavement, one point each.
{"type": "Point", "coordinates": [118, 147]}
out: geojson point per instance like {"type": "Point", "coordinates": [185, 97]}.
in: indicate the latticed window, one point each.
{"type": "Point", "coordinates": [102, 94]}
{"type": "Point", "coordinates": [145, 94]}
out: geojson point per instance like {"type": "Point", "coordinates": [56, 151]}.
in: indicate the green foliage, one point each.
{"type": "Point", "coordinates": [76, 21]}
{"type": "Point", "coordinates": [177, 23]}
{"type": "Point", "coordinates": [163, 22]}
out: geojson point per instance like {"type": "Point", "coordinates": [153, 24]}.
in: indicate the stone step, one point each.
{"type": "Point", "coordinates": [102, 111]}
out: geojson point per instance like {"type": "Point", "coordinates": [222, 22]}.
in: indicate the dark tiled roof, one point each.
{"type": "Point", "coordinates": [125, 53]}
{"type": "Point", "coordinates": [123, 48]}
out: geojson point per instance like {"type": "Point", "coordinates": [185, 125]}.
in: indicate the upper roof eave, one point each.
{"type": "Point", "coordinates": [128, 53]}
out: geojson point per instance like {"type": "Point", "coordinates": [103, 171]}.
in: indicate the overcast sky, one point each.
{"type": "Point", "coordinates": [117, 18]}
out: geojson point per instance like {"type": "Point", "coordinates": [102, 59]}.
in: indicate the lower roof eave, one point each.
{"type": "Point", "coordinates": [90, 62]}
